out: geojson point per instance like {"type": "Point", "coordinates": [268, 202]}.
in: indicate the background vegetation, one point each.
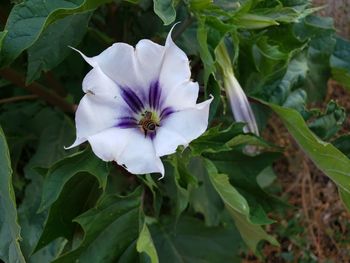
{"type": "Point", "coordinates": [218, 201]}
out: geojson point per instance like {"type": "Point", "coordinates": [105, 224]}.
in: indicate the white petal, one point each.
{"type": "Point", "coordinates": [98, 84]}
{"type": "Point", "coordinates": [127, 147]}
{"type": "Point", "coordinates": [166, 141]}
{"type": "Point", "coordinates": [149, 57]}
{"type": "Point", "coordinates": [240, 106]}
{"type": "Point", "coordinates": [110, 143]}
{"type": "Point", "coordinates": [93, 116]}
{"type": "Point", "coordinates": [183, 96]}
{"type": "Point", "coordinates": [118, 62]}
{"type": "Point", "coordinates": [99, 108]}
{"type": "Point", "coordinates": [181, 127]}
{"type": "Point", "coordinates": [175, 68]}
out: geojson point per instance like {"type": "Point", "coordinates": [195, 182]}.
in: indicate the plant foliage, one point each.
{"type": "Point", "coordinates": [60, 205]}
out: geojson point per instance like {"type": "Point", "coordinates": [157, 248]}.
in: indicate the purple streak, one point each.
{"type": "Point", "coordinates": [127, 122]}
{"type": "Point", "coordinates": [132, 100]}
{"type": "Point", "coordinates": [166, 112]}
{"type": "Point", "coordinates": [154, 95]}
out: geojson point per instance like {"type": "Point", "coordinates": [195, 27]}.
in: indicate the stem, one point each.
{"type": "Point", "coordinates": [18, 98]}
{"type": "Point", "coordinates": [3, 17]}
{"type": "Point", "coordinates": [183, 26]}
{"type": "Point", "coordinates": [54, 84]}
{"type": "Point", "coordinates": [37, 89]}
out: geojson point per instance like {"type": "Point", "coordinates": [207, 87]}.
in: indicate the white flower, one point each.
{"type": "Point", "coordinates": [240, 106]}
{"type": "Point", "coordinates": [139, 104]}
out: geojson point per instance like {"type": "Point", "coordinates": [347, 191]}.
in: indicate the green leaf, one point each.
{"type": "Point", "coordinates": [253, 21]}
{"type": "Point", "coordinates": [205, 55]}
{"type": "Point", "coordinates": [2, 36]}
{"type": "Point", "coordinates": [210, 32]}
{"type": "Point", "coordinates": [243, 176]}
{"type": "Point", "coordinates": [286, 14]}
{"type": "Point", "coordinates": [330, 122]}
{"type": "Point", "coordinates": [319, 32]}
{"type": "Point", "coordinates": [197, 5]}
{"type": "Point", "coordinates": [345, 197]}
{"type": "Point", "coordinates": [59, 174]}
{"type": "Point", "coordinates": [238, 207]}
{"type": "Point", "coordinates": [324, 155]}
{"type": "Point", "coordinates": [43, 132]}
{"type": "Point", "coordinates": [178, 183]}
{"type": "Point", "coordinates": [110, 231]}
{"type": "Point", "coordinates": [266, 177]}
{"type": "Point", "coordinates": [28, 19]}
{"type": "Point", "coordinates": [343, 144]}
{"type": "Point", "coordinates": [267, 57]}
{"type": "Point", "coordinates": [190, 241]}
{"type": "Point", "coordinates": [145, 244]}
{"type": "Point", "coordinates": [216, 140]}
{"type": "Point", "coordinates": [52, 47]}
{"type": "Point", "coordinates": [340, 62]}
{"type": "Point", "coordinates": [165, 10]}
{"type": "Point", "coordinates": [204, 199]}
{"type": "Point", "coordinates": [78, 195]}
{"type": "Point", "coordinates": [178, 194]}
{"type": "Point", "coordinates": [10, 250]}
{"type": "Point", "coordinates": [319, 52]}
{"type": "Point", "coordinates": [227, 192]}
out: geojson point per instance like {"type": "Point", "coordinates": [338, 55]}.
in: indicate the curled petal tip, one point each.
{"type": "Point", "coordinates": [169, 39]}
{"type": "Point", "coordinates": [75, 143]}
{"type": "Point", "coordinates": [161, 177]}
{"type": "Point", "coordinates": [86, 58]}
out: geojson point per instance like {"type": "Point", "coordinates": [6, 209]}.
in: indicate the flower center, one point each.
{"type": "Point", "coordinates": [148, 122]}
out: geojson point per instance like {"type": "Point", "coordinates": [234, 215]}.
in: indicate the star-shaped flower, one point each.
{"type": "Point", "coordinates": [139, 105]}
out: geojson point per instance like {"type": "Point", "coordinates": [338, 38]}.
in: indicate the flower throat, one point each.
{"type": "Point", "coordinates": [148, 122]}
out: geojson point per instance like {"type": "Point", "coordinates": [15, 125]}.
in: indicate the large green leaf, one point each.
{"type": "Point", "coordinates": [204, 199]}
{"type": "Point", "coordinates": [110, 231]}
{"type": "Point", "coordinates": [165, 10]}
{"type": "Point", "coordinates": [340, 62]}
{"type": "Point", "coordinates": [319, 31]}
{"type": "Point", "coordinates": [145, 244]}
{"type": "Point", "coordinates": [190, 241]}
{"type": "Point", "coordinates": [52, 47]}
{"type": "Point", "coordinates": [10, 250]}
{"type": "Point", "coordinates": [177, 183]}
{"type": "Point", "coordinates": [243, 176]}
{"type": "Point", "coordinates": [28, 19]}
{"type": "Point", "coordinates": [41, 131]}
{"type": "Point", "coordinates": [78, 195]}
{"type": "Point", "coordinates": [325, 156]}
{"type": "Point", "coordinates": [238, 207]}
{"type": "Point", "coordinates": [216, 140]}
{"type": "Point", "coordinates": [65, 169]}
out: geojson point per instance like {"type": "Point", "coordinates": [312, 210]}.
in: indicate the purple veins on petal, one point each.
{"type": "Point", "coordinates": [126, 122]}
{"type": "Point", "coordinates": [152, 135]}
{"type": "Point", "coordinates": [132, 100]}
{"type": "Point", "coordinates": [166, 112]}
{"type": "Point", "coordinates": [154, 95]}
